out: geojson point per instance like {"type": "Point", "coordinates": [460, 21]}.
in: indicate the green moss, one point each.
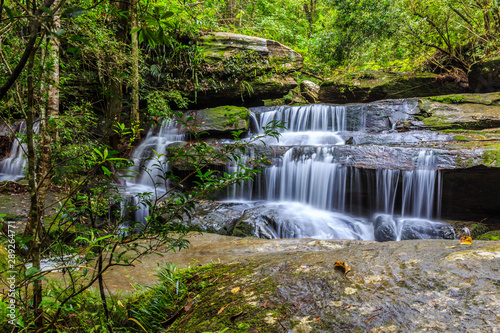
{"type": "Point", "coordinates": [491, 235]}
{"type": "Point", "coordinates": [491, 155]}
{"type": "Point", "coordinates": [437, 122]}
{"type": "Point", "coordinates": [219, 306]}
{"type": "Point", "coordinates": [460, 137]}
{"type": "Point", "coordinates": [226, 116]}
{"type": "Point", "coordinates": [449, 99]}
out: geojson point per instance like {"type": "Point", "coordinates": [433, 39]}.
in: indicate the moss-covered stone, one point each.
{"type": "Point", "coordinates": [371, 86]}
{"type": "Point", "coordinates": [222, 119]}
{"type": "Point", "coordinates": [465, 111]}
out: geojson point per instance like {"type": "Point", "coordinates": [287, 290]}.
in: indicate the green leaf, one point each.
{"type": "Point", "coordinates": [45, 10]}
{"type": "Point", "coordinates": [106, 170]}
{"type": "Point", "coordinates": [32, 271]}
{"type": "Point", "coordinates": [133, 31]}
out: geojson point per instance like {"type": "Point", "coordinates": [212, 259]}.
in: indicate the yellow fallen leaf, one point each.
{"type": "Point", "coordinates": [222, 309]}
{"type": "Point", "coordinates": [235, 290]}
{"type": "Point", "coordinates": [466, 240]}
{"type": "Point", "coordinates": [344, 266]}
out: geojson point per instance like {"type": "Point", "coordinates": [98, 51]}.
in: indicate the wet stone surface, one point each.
{"type": "Point", "coordinates": [407, 286]}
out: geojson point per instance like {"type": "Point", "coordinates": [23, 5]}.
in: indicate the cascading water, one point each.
{"type": "Point", "coordinates": [12, 168]}
{"type": "Point", "coordinates": [316, 189]}
{"type": "Point", "coordinates": [150, 164]}
{"type": "Point", "coordinates": [155, 144]}
{"type": "Point", "coordinates": [311, 177]}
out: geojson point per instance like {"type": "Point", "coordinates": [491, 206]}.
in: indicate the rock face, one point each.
{"type": "Point", "coordinates": [218, 46]}
{"type": "Point", "coordinates": [484, 76]}
{"type": "Point", "coordinates": [293, 285]}
{"type": "Point", "coordinates": [464, 111]}
{"type": "Point", "coordinates": [244, 69]}
{"type": "Point", "coordinates": [372, 86]}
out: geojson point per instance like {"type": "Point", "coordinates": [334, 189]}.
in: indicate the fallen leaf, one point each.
{"type": "Point", "coordinates": [344, 266]}
{"type": "Point", "coordinates": [222, 309]}
{"type": "Point", "coordinates": [465, 240]}
{"type": "Point", "coordinates": [235, 290]}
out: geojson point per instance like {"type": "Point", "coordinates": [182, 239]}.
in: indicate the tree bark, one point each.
{"type": "Point", "coordinates": [134, 115]}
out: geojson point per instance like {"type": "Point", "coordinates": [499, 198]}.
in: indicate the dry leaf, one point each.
{"type": "Point", "coordinates": [344, 266]}
{"type": "Point", "coordinates": [465, 240]}
{"type": "Point", "coordinates": [222, 309]}
{"type": "Point", "coordinates": [235, 290]}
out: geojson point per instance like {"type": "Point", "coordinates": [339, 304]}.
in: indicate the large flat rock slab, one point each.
{"type": "Point", "coordinates": [408, 286]}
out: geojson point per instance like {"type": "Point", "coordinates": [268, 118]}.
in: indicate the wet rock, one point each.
{"type": "Point", "coordinates": [423, 229]}
{"type": "Point", "coordinates": [371, 86]}
{"type": "Point", "coordinates": [385, 228]}
{"type": "Point", "coordinates": [217, 217]}
{"type": "Point", "coordinates": [466, 111]}
{"type": "Point", "coordinates": [408, 286]}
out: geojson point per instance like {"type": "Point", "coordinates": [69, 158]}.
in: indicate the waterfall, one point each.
{"type": "Point", "coordinates": [155, 144]}
{"type": "Point", "coordinates": [12, 168]}
{"type": "Point", "coordinates": [316, 188]}
{"type": "Point", "coordinates": [151, 164]}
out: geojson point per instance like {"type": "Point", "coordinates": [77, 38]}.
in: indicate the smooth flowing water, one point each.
{"type": "Point", "coordinates": [12, 167]}
{"type": "Point", "coordinates": [318, 188]}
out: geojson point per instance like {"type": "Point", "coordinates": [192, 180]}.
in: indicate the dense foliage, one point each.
{"type": "Point", "coordinates": [88, 76]}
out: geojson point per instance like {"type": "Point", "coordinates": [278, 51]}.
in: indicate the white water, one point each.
{"type": "Point", "coordinates": [311, 192]}
{"type": "Point", "coordinates": [315, 181]}
{"type": "Point", "coordinates": [12, 168]}
{"type": "Point", "coordinates": [151, 164]}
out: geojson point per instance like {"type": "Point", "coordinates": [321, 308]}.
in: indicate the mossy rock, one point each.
{"type": "Point", "coordinates": [461, 111]}
{"type": "Point", "coordinates": [221, 120]}
{"type": "Point", "coordinates": [490, 235]}
{"type": "Point", "coordinates": [371, 86]}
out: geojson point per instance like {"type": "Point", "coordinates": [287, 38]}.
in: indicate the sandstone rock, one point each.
{"type": "Point", "coordinates": [219, 45]}
{"type": "Point", "coordinates": [371, 86]}
{"type": "Point", "coordinates": [220, 120]}
{"type": "Point", "coordinates": [462, 111]}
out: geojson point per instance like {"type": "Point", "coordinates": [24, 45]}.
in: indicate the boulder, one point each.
{"type": "Point", "coordinates": [218, 46]}
{"type": "Point", "coordinates": [484, 76]}
{"type": "Point", "coordinates": [371, 86]}
{"type": "Point", "coordinates": [221, 120]}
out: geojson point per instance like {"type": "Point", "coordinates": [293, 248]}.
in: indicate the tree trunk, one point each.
{"type": "Point", "coordinates": [134, 114]}
{"type": "Point", "coordinates": [33, 225]}
{"type": "Point", "coordinates": [48, 119]}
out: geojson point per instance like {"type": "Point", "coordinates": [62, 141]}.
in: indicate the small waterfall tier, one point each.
{"type": "Point", "coordinates": [313, 173]}
{"type": "Point", "coordinates": [12, 167]}
{"type": "Point", "coordinates": [319, 184]}
{"type": "Point", "coordinates": [150, 164]}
